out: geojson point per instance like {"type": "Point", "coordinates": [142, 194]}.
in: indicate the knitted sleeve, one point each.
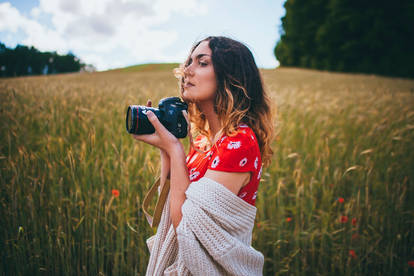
{"type": "Point", "coordinates": [208, 226]}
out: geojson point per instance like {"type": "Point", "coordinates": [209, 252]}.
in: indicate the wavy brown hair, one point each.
{"type": "Point", "coordinates": [240, 96]}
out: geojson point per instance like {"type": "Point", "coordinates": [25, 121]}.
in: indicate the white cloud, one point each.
{"type": "Point", "coordinates": [107, 33]}
{"type": "Point", "coordinates": [35, 12]}
{"type": "Point", "coordinates": [11, 19]}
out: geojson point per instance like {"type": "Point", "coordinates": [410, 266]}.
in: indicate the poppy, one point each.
{"type": "Point", "coordinates": [344, 219]}
{"type": "Point", "coordinates": [411, 263]}
{"type": "Point", "coordinates": [115, 192]}
{"type": "Point", "coordinates": [341, 200]}
{"type": "Point", "coordinates": [352, 253]}
{"type": "Point", "coordinates": [288, 219]}
{"type": "Point", "coordinates": [354, 221]}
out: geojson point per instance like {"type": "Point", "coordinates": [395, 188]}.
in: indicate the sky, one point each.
{"type": "Point", "coordinates": [118, 33]}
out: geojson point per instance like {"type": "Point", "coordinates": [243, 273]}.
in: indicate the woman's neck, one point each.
{"type": "Point", "coordinates": [212, 119]}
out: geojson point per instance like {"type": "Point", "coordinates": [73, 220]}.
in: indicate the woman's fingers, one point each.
{"type": "Point", "coordinates": [149, 139]}
{"type": "Point", "coordinates": [142, 137]}
{"type": "Point", "coordinates": [185, 114]}
{"type": "Point", "coordinates": [155, 122]}
{"type": "Point", "coordinates": [161, 138]}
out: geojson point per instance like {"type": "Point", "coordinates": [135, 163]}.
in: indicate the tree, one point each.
{"type": "Point", "coordinates": [348, 35]}
{"type": "Point", "coordinates": [22, 61]}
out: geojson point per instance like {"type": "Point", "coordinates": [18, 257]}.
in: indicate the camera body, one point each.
{"type": "Point", "coordinates": [169, 113]}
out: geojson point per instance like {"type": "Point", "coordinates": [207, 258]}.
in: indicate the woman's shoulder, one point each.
{"type": "Point", "coordinates": [243, 137]}
{"type": "Point", "coordinates": [238, 152]}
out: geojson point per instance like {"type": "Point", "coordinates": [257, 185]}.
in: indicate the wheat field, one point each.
{"type": "Point", "coordinates": [337, 199]}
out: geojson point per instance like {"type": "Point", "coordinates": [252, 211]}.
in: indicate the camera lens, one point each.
{"type": "Point", "coordinates": [136, 120]}
{"type": "Point", "coordinates": [129, 120]}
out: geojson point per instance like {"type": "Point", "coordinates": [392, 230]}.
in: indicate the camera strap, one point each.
{"type": "Point", "coordinates": [159, 206]}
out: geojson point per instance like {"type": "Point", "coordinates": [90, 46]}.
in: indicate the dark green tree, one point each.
{"type": "Point", "coordinates": [23, 61]}
{"type": "Point", "coordinates": [348, 35]}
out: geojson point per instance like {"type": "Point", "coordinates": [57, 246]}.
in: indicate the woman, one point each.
{"type": "Point", "coordinates": [231, 112]}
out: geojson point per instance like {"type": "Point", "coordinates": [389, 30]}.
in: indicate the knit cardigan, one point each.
{"type": "Point", "coordinates": [212, 238]}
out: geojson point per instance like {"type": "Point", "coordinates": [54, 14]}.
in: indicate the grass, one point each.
{"type": "Point", "coordinates": [148, 67]}
{"type": "Point", "coordinates": [337, 199]}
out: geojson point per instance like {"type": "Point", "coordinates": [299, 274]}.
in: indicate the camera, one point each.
{"type": "Point", "coordinates": [169, 113]}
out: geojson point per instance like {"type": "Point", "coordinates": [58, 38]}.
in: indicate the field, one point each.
{"type": "Point", "coordinates": [338, 198]}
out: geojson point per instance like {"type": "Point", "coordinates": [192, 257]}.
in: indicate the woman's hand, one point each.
{"type": "Point", "coordinates": [161, 138]}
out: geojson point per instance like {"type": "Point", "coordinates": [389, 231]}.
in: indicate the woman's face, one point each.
{"type": "Point", "coordinates": [199, 78]}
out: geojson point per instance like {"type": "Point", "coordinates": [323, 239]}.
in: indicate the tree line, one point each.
{"type": "Point", "coordinates": [25, 61]}
{"type": "Point", "coordinates": [366, 36]}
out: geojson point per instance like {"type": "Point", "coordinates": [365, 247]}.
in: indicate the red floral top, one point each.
{"type": "Point", "coordinates": [239, 153]}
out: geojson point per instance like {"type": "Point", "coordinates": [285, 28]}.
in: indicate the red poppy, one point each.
{"type": "Point", "coordinates": [344, 219]}
{"type": "Point", "coordinates": [341, 200]}
{"type": "Point", "coordinates": [354, 221]}
{"type": "Point", "coordinates": [411, 263]}
{"type": "Point", "coordinates": [288, 219]}
{"type": "Point", "coordinates": [115, 192]}
{"type": "Point", "coordinates": [355, 236]}
{"type": "Point", "coordinates": [258, 225]}
{"type": "Point", "coordinates": [352, 253]}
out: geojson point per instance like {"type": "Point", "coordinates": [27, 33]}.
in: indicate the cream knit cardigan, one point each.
{"type": "Point", "coordinates": [213, 237]}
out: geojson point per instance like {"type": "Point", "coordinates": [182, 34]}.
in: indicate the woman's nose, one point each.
{"type": "Point", "coordinates": [188, 70]}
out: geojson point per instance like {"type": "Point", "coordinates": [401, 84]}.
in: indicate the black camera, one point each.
{"type": "Point", "coordinates": [169, 113]}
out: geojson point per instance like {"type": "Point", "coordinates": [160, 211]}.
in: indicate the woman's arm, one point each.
{"type": "Point", "coordinates": [165, 160]}
{"type": "Point", "coordinates": [165, 166]}
{"type": "Point", "coordinates": [179, 183]}
{"type": "Point", "coordinates": [179, 180]}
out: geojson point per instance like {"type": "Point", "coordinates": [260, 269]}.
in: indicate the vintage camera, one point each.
{"type": "Point", "coordinates": [169, 112]}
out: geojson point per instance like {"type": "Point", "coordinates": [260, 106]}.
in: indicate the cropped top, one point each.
{"type": "Point", "coordinates": [239, 153]}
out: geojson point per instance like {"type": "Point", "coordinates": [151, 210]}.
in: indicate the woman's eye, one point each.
{"type": "Point", "coordinates": [203, 64]}
{"type": "Point", "coordinates": [188, 63]}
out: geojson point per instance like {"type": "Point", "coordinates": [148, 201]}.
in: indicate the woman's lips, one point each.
{"type": "Point", "coordinates": [188, 84]}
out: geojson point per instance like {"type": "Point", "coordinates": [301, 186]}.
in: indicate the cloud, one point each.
{"type": "Point", "coordinates": [107, 33]}
{"type": "Point", "coordinates": [11, 19]}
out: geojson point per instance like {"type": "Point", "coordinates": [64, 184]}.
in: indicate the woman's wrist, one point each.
{"type": "Point", "coordinates": [176, 150]}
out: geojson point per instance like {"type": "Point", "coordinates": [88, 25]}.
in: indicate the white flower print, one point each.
{"type": "Point", "coordinates": [254, 196]}
{"type": "Point", "coordinates": [194, 175]}
{"type": "Point", "coordinates": [255, 162]}
{"type": "Point", "coordinates": [243, 162]}
{"type": "Point", "coordinates": [192, 170]}
{"type": "Point", "coordinates": [206, 155]}
{"type": "Point", "coordinates": [215, 162]}
{"type": "Point", "coordinates": [242, 194]}
{"type": "Point", "coordinates": [186, 160]}
{"type": "Point", "coordinates": [223, 139]}
{"type": "Point", "coordinates": [234, 145]}
{"type": "Point", "coordinates": [243, 125]}
{"type": "Point", "coordinates": [192, 159]}
{"type": "Point", "coordinates": [252, 137]}
{"type": "Point", "coordinates": [260, 173]}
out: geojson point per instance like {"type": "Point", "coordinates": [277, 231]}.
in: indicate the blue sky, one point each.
{"type": "Point", "coordinates": [118, 33]}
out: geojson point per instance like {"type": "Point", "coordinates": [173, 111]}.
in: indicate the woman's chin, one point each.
{"type": "Point", "coordinates": [187, 97]}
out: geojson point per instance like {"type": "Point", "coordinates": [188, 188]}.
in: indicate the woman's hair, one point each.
{"type": "Point", "coordinates": [240, 96]}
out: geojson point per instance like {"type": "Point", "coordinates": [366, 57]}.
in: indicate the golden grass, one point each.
{"type": "Point", "coordinates": [64, 147]}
